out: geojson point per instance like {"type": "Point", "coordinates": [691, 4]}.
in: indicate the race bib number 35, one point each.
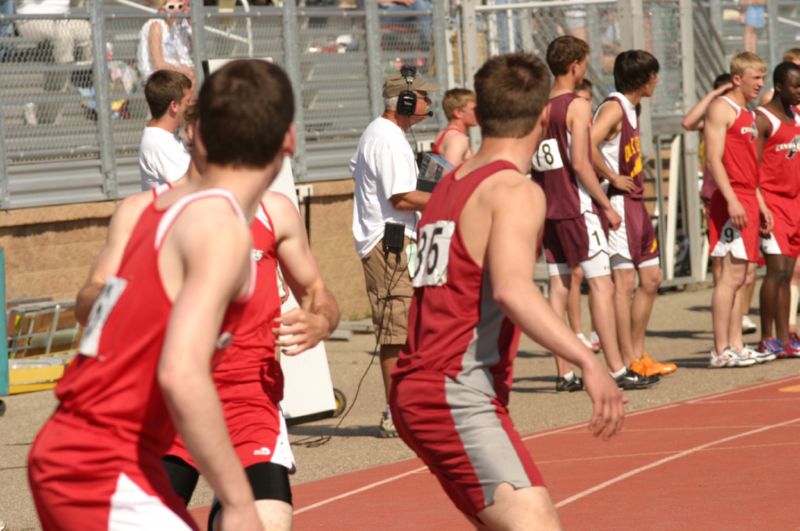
{"type": "Point", "coordinates": [433, 253]}
{"type": "Point", "coordinates": [109, 295]}
{"type": "Point", "coordinates": [547, 157]}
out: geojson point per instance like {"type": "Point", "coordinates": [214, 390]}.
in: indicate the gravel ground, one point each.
{"type": "Point", "coordinates": [679, 332]}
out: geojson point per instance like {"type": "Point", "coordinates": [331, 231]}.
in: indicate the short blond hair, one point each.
{"type": "Point", "coordinates": [745, 60]}
{"type": "Point", "coordinates": [456, 98]}
{"type": "Point", "coordinates": [792, 55]}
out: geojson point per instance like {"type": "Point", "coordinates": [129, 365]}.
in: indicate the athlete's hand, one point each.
{"type": "Point", "coordinates": [236, 518]}
{"type": "Point", "coordinates": [737, 214]}
{"type": "Point", "coordinates": [299, 330]}
{"type": "Point", "coordinates": [607, 400]}
{"type": "Point", "coordinates": [767, 221]}
{"type": "Point", "coordinates": [722, 89]}
{"type": "Point", "coordinates": [614, 221]}
{"type": "Point", "coordinates": [624, 183]}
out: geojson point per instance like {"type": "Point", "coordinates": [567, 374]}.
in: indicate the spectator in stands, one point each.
{"type": "Point", "coordinates": [6, 29]}
{"type": "Point", "coordinates": [453, 142]}
{"type": "Point", "coordinates": [165, 44]}
{"type": "Point", "coordinates": [425, 21]}
{"type": "Point", "coordinates": [754, 21]}
{"type": "Point", "coordinates": [162, 155]}
{"type": "Point", "coordinates": [65, 35]}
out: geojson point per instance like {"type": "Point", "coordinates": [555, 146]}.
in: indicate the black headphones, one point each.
{"type": "Point", "coordinates": [407, 99]}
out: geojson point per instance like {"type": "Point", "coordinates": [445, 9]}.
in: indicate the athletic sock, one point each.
{"type": "Point", "coordinates": [619, 373]}
{"type": "Point", "coordinates": [569, 376]}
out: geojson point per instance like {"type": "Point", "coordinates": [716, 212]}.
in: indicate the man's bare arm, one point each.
{"type": "Point", "coordinates": [413, 200]}
{"type": "Point", "coordinates": [606, 124]}
{"type": "Point", "coordinates": [693, 121]}
{"type": "Point", "coordinates": [579, 115]}
{"type": "Point", "coordinates": [107, 262]}
{"type": "Point", "coordinates": [212, 249]}
{"type": "Point", "coordinates": [455, 148]}
{"type": "Point", "coordinates": [318, 314]}
{"type": "Point", "coordinates": [517, 219]}
{"type": "Point", "coordinates": [718, 118]}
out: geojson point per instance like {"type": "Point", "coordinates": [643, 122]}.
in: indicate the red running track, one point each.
{"type": "Point", "coordinates": [725, 461]}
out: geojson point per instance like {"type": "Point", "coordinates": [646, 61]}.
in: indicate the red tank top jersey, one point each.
{"type": "Point", "coordinates": [552, 165]}
{"type": "Point", "coordinates": [454, 325]}
{"type": "Point", "coordinates": [779, 171]}
{"type": "Point", "coordinates": [250, 359]}
{"type": "Point", "coordinates": [437, 144]}
{"type": "Point", "coordinates": [739, 157]}
{"type": "Point", "coordinates": [630, 153]}
{"type": "Point", "coordinates": [112, 382]}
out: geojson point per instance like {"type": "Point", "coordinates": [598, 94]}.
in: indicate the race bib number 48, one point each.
{"type": "Point", "coordinates": [547, 157]}
{"type": "Point", "coordinates": [433, 253]}
{"type": "Point", "coordinates": [109, 295]}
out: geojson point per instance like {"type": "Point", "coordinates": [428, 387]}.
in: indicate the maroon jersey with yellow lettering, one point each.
{"type": "Point", "coordinates": [552, 165]}
{"type": "Point", "coordinates": [625, 148]}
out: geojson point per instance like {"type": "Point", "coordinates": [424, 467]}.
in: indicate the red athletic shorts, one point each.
{"type": "Point", "coordinates": [256, 427]}
{"type": "Point", "coordinates": [574, 240]}
{"type": "Point", "coordinates": [465, 437]}
{"type": "Point", "coordinates": [83, 477]}
{"type": "Point", "coordinates": [785, 236]}
{"type": "Point", "coordinates": [724, 238]}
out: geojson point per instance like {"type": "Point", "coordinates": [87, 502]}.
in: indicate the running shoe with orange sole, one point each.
{"type": "Point", "coordinates": [649, 367]}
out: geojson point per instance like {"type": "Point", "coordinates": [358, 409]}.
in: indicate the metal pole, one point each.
{"type": "Point", "coordinates": [595, 44]}
{"type": "Point", "coordinates": [4, 196]}
{"type": "Point", "coordinates": [105, 131]}
{"type": "Point", "coordinates": [374, 59]}
{"type": "Point", "coordinates": [469, 43]}
{"type": "Point", "coordinates": [715, 10]}
{"type": "Point", "coordinates": [690, 140]}
{"type": "Point", "coordinates": [440, 24]}
{"type": "Point", "coordinates": [3, 330]}
{"type": "Point", "coordinates": [291, 62]}
{"type": "Point", "coordinates": [198, 23]}
{"type": "Point", "coordinates": [772, 32]}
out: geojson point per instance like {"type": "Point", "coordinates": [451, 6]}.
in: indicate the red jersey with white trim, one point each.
{"type": "Point", "coordinates": [437, 143]}
{"type": "Point", "coordinates": [779, 171]}
{"type": "Point", "coordinates": [741, 148]}
{"type": "Point", "coordinates": [112, 384]}
{"type": "Point", "coordinates": [250, 359]}
{"type": "Point", "coordinates": [454, 325]}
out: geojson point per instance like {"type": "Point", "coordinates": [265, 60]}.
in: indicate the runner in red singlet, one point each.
{"type": "Point", "coordinates": [145, 356]}
{"type": "Point", "coordinates": [779, 171]}
{"type": "Point", "coordinates": [617, 156]}
{"type": "Point", "coordinates": [731, 140]}
{"type": "Point", "coordinates": [474, 291]}
{"type": "Point", "coordinates": [453, 142]}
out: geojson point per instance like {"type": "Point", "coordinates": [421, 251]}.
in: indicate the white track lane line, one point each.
{"type": "Point", "coordinates": [538, 435]}
{"type": "Point", "coordinates": [690, 451]}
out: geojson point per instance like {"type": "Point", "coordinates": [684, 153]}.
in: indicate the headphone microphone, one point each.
{"type": "Point", "coordinates": [407, 99]}
{"type": "Point", "coordinates": [428, 114]}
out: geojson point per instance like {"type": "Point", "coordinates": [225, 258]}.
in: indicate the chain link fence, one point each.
{"type": "Point", "coordinates": [69, 134]}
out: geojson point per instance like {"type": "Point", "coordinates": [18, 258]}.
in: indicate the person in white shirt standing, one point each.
{"type": "Point", "coordinates": [162, 156]}
{"type": "Point", "coordinates": [386, 192]}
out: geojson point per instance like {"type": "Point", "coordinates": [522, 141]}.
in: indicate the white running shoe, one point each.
{"type": "Point", "coordinates": [730, 358]}
{"type": "Point", "coordinates": [584, 340]}
{"type": "Point", "coordinates": [758, 355]}
{"type": "Point", "coordinates": [748, 326]}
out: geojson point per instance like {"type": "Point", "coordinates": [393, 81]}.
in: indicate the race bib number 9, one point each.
{"type": "Point", "coordinates": [547, 157]}
{"type": "Point", "coordinates": [433, 254]}
{"type": "Point", "coordinates": [106, 300]}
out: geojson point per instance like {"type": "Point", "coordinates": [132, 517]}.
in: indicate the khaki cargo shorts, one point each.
{"type": "Point", "coordinates": [389, 290]}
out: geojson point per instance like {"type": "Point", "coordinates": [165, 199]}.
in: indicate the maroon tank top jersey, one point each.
{"type": "Point", "coordinates": [552, 166]}
{"type": "Point", "coordinates": [112, 383]}
{"type": "Point", "coordinates": [739, 157]}
{"type": "Point", "coordinates": [454, 325]}
{"type": "Point", "coordinates": [779, 171]}
{"type": "Point", "coordinates": [630, 151]}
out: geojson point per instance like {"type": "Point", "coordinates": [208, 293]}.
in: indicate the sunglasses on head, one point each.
{"type": "Point", "coordinates": [173, 7]}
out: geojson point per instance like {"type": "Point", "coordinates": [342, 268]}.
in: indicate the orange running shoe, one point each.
{"type": "Point", "coordinates": [648, 366]}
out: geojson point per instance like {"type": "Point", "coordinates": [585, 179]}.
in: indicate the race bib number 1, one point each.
{"type": "Point", "coordinates": [547, 157]}
{"type": "Point", "coordinates": [106, 300]}
{"type": "Point", "coordinates": [433, 253]}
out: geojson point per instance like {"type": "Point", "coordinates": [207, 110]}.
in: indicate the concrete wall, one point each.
{"type": "Point", "coordinates": [48, 250]}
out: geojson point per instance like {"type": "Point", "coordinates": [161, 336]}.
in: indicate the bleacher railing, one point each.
{"type": "Point", "coordinates": [70, 129]}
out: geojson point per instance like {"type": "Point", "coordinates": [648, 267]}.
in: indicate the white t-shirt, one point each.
{"type": "Point", "coordinates": [174, 47]}
{"type": "Point", "coordinates": [43, 7]}
{"type": "Point", "coordinates": [162, 157]}
{"type": "Point", "coordinates": [382, 166]}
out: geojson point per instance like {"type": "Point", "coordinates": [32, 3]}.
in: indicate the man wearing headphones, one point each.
{"type": "Point", "coordinates": [384, 213]}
